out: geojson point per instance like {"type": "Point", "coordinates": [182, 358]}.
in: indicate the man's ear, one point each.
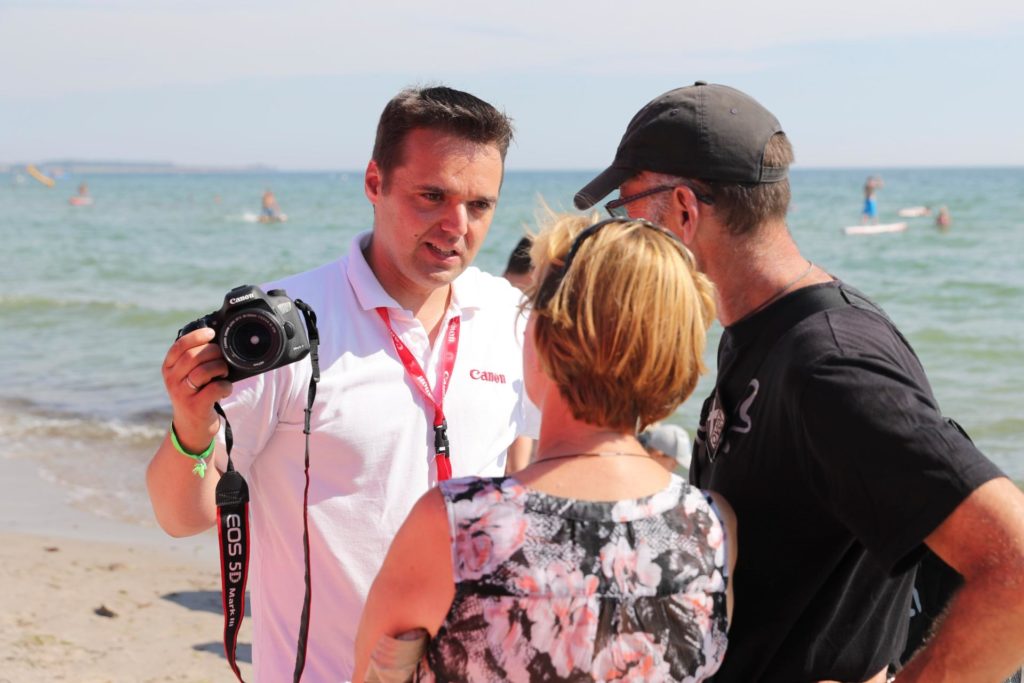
{"type": "Point", "coordinates": [373, 182]}
{"type": "Point", "coordinates": [686, 212]}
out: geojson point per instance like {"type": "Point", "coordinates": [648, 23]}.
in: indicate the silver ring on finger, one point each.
{"type": "Point", "coordinates": [191, 386]}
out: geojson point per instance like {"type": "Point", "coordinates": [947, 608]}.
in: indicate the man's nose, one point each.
{"type": "Point", "coordinates": [456, 219]}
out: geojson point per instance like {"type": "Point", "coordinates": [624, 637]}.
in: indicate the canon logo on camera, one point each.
{"type": "Point", "coordinates": [239, 299]}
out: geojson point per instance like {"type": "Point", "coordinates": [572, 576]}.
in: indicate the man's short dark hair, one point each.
{"type": "Point", "coordinates": [519, 260]}
{"type": "Point", "coordinates": [439, 108]}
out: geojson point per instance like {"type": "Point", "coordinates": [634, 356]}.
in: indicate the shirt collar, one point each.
{"type": "Point", "coordinates": [371, 294]}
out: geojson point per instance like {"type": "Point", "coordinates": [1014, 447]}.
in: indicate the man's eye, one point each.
{"type": "Point", "coordinates": [432, 196]}
{"type": "Point", "coordinates": [481, 205]}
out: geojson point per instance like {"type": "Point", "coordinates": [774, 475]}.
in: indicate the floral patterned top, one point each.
{"type": "Point", "coordinates": [557, 589]}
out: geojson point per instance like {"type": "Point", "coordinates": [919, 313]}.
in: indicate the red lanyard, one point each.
{"type": "Point", "coordinates": [442, 455]}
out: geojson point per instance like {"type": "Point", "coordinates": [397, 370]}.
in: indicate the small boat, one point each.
{"type": "Point", "coordinates": [875, 229]}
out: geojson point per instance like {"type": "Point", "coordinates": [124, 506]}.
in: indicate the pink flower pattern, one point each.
{"type": "Point", "coordinates": [633, 569]}
{"type": "Point", "coordinates": [506, 638]}
{"type": "Point", "coordinates": [631, 657]}
{"type": "Point", "coordinates": [554, 589]}
{"type": "Point", "coordinates": [488, 534]}
{"type": "Point", "coordinates": [563, 614]}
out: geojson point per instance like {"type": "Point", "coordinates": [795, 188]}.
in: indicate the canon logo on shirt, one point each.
{"type": "Point", "coordinates": [487, 376]}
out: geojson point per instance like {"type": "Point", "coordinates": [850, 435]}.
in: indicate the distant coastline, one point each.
{"type": "Point", "coordinates": [59, 167]}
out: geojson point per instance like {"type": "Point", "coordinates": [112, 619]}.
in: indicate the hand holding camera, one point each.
{"type": "Point", "coordinates": [255, 331]}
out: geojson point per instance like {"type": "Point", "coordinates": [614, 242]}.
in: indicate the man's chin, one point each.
{"type": "Point", "coordinates": [440, 277]}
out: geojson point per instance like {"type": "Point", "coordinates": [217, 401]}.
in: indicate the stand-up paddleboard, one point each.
{"type": "Point", "coordinates": [40, 176]}
{"type": "Point", "coordinates": [250, 217]}
{"type": "Point", "coordinates": [914, 212]}
{"type": "Point", "coordinates": [874, 229]}
{"type": "Point", "coordinates": [80, 200]}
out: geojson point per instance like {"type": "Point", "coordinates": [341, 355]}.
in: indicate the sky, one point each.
{"type": "Point", "coordinates": [299, 85]}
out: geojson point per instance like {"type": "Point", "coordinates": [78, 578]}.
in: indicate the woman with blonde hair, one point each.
{"type": "Point", "coordinates": [594, 562]}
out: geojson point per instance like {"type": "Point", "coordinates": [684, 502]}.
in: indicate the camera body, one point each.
{"type": "Point", "coordinates": [257, 331]}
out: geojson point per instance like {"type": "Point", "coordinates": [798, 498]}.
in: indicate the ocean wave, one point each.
{"type": "Point", "coordinates": [16, 302]}
{"type": "Point", "coordinates": [166, 309]}
{"type": "Point", "coordinates": [20, 420]}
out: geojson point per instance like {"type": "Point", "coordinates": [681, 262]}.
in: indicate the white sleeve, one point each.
{"type": "Point", "coordinates": [528, 416]}
{"type": "Point", "coordinates": [252, 409]}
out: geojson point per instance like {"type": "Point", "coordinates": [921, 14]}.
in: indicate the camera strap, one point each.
{"type": "Point", "coordinates": [314, 378]}
{"type": "Point", "coordinates": [233, 524]}
{"type": "Point", "coordinates": [233, 536]}
{"type": "Point", "coordinates": [442, 451]}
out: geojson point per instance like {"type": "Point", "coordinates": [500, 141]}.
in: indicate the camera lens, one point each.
{"type": "Point", "coordinates": [252, 340]}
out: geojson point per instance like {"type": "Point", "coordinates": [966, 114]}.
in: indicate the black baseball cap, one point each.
{"type": "Point", "coordinates": [706, 131]}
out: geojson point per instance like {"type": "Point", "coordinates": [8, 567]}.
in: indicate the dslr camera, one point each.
{"type": "Point", "coordinates": [256, 331]}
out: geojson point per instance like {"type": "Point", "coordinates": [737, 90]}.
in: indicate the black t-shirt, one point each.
{"type": "Point", "coordinates": [838, 464]}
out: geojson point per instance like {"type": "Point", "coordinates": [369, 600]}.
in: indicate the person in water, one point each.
{"type": "Point", "coordinates": [270, 210]}
{"type": "Point", "coordinates": [82, 198]}
{"type": "Point", "coordinates": [871, 187]}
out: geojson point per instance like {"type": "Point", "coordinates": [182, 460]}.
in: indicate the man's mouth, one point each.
{"type": "Point", "coordinates": [443, 253]}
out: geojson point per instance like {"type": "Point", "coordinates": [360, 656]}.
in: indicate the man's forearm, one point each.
{"type": "Point", "coordinates": [980, 637]}
{"type": "Point", "coordinates": [184, 504]}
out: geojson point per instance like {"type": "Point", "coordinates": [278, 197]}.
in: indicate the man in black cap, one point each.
{"type": "Point", "coordinates": [822, 430]}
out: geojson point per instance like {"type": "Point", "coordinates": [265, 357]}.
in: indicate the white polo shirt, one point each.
{"type": "Point", "coordinates": [371, 448]}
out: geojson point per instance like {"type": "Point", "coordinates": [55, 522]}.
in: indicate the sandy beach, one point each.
{"type": "Point", "coordinates": [90, 599]}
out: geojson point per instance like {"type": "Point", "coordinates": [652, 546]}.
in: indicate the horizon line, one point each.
{"type": "Point", "coordinates": [112, 167]}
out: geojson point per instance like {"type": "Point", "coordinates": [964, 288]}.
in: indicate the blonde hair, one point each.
{"type": "Point", "coordinates": [622, 332]}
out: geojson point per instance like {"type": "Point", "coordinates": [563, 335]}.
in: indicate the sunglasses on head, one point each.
{"type": "Point", "coordinates": [554, 279]}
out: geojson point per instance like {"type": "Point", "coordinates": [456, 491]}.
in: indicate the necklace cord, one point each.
{"type": "Point", "coordinates": [592, 454]}
{"type": "Point", "coordinates": [777, 295]}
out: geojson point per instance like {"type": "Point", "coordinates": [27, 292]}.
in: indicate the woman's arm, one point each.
{"type": "Point", "coordinates": [415, 587]}
{"type": "Point", "coordinates": [732, 544]}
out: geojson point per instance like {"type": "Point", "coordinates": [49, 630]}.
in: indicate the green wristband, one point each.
{"type": "Point", "coordinates": [200, 467]}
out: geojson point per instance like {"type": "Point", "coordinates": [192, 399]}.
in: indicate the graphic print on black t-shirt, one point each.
{"type": "Point", "coordinates": [715, 427]}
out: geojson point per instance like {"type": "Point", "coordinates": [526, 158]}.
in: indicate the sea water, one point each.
{"type": "Point", "coordinates": [92, 296]}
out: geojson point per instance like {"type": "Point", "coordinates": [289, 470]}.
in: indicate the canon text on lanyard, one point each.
{"type": "Point", "coordinates": [442, 454]}
{"type": "Point", "coordinates": [233, 525]}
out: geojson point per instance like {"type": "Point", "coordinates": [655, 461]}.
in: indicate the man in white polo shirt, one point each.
{"type": "Point", "coordinates": [401, 316]}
